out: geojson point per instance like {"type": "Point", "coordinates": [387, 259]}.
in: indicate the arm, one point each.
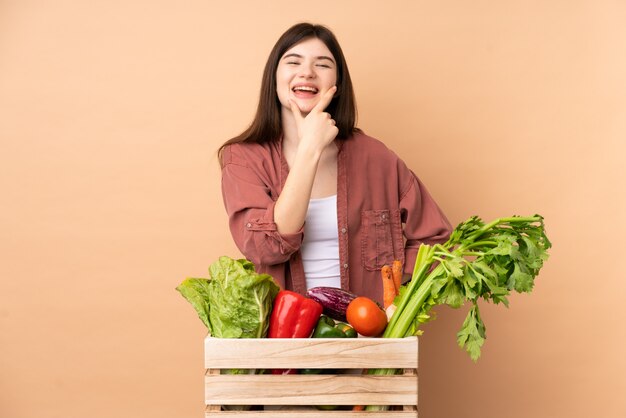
{"type": "Point", "coordinates": [293, 202]}
{"type": "Point", "coordinates": [250, 210]}
{"type": "Point", "coordinates": [315, 132]}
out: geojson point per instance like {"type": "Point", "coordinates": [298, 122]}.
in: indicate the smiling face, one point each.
{"type": "Point", "coordinates": [304, 73]}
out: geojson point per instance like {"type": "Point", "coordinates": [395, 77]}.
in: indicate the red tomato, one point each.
{"type": "Point", "coordinates": [366, 317]}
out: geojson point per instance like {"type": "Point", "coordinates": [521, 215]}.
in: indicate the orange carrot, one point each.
{"type": "Point", "coordinates": [396, 273]}
{"type": "Point", "coordinates": [389, 289]}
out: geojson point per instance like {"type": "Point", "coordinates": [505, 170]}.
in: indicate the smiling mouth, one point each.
{"type": "Point", "coordinates": [305, 89]}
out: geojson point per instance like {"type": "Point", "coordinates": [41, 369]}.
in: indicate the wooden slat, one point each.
{"type": "Point", "coordinates": [410, 372]}
{"type": "Point", "coordinates": [310, 390]}
{"type": "Point", "coordinates": [212, 408]}
{"type": "Point", "coordinates": [326, 353]}
{"type": "Point", "coordinates": [311, 414]}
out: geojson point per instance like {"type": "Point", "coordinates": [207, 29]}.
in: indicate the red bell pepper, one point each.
{"type": "Point", "coordinates": [293, 316]}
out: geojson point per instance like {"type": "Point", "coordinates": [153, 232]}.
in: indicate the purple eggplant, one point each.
{"type": "Point", "coordinates": [335, 301]}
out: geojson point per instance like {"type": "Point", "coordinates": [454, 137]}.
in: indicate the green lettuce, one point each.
{"type": "Point", "coordinates": [235, 302]}
{"type": "Point", "coordinates": [196, 291]}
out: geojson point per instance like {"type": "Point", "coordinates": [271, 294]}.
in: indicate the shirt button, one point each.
{"type": "Point", "coordinates": [345, 266]}
{"type": "Point", "coordinates": [384, 216]}
{"type": "Point", "coordinates": [343, 230]}
{"type": "Point", "coordinates": [248, 225]}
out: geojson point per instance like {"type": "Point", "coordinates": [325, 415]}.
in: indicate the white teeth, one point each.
{"type": "Point", "coordinates": [305, 88]}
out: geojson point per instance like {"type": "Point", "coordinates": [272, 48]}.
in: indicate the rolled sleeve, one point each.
{"type": "Point", "coordinates": [250, 208]}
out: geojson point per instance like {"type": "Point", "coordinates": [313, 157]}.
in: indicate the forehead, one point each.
{"type": "Point", "coordinates": [310, 47]}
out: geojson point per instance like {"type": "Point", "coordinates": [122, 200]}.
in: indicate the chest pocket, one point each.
{"type": "Point", "coordinates": [381, 241]}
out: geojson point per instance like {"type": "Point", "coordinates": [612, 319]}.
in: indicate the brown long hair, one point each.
{"type": "Point", "coordinates": [267, 124]}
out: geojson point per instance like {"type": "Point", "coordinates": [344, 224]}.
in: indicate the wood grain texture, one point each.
{"type": "Point", "coordinates": [347, 387]}
{"type": "Point", "coordinates": [326, 353]}
{"type": "Point", "coordinates": [310, 390]}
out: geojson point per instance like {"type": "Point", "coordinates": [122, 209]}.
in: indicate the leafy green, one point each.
{"type": "Point", "coordinates": [241, 299]}
{"type": "Point", "coordinates": [236, 302]}
{"type": "Point", "coordinates": [479, 260]}
{"type": "Point", "coordinates": [196, 291]}
{"type": "Point", "coordinates": [472, 335]}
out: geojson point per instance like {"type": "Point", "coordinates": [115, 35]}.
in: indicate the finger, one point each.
{"type": "Point", "coordinates": [327, 96]}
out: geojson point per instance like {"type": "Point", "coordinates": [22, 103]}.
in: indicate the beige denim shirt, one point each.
{"type": "Point", "coordinates": [384, 213]}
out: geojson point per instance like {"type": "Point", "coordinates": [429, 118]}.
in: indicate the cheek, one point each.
{"type": "Point", "coordinates": [282, 81]}
{"type": "Point", "coordinates": [331, 80]}
{"type": "Point", "coordinates": [282, 89]}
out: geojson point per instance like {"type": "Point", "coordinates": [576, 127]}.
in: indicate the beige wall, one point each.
{"type": "Point", "coordinates": [110, 114]}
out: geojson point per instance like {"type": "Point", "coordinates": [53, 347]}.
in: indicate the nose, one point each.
{"type": "Point", "coordinates": [307, 71]}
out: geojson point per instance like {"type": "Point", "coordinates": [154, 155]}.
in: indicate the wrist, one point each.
{"type": "Point", "coordinates": [308, 148]}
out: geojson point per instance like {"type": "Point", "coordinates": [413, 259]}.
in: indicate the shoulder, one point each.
{"type": "Point", "coordinates": [247, 153]}
{"type": "Point", "coordinates": [366, 154]}
{"type": "Point", "coordinates": [362, 145]}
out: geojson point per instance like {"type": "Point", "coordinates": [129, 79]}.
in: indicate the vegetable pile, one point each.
{"type": "Point", "coordinates": [479, 261]}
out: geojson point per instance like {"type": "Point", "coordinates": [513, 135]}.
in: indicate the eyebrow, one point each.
{"type": "Point", "coordinates": [321, 57]}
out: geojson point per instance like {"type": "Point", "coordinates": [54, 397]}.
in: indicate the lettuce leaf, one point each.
{"type": "Point", "coordinates": [240, 299]}
{"type": "Point", "coordinates": [236, 302]}
{"type": "Point", "coordinates": [196, 291]}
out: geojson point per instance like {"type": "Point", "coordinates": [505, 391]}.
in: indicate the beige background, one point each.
{"type": "Point", "coordinates": [110, 115]}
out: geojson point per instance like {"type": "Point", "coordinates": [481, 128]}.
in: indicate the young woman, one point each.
{"type": "Point", "coordinates": [311, 199]}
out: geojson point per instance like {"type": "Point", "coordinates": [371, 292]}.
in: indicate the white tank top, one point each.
{"type": "Point", "coordinates": [320, 246]}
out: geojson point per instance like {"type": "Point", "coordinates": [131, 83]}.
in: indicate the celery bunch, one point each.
{"type": "Point", "coordinates": [479, 260]}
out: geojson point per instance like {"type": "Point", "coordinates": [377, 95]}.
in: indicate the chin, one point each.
{"type": "Point", "coordinates": [307, 106]}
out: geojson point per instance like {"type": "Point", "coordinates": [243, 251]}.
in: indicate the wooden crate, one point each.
{"type": "Point", "coordinates": [343, 388]}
